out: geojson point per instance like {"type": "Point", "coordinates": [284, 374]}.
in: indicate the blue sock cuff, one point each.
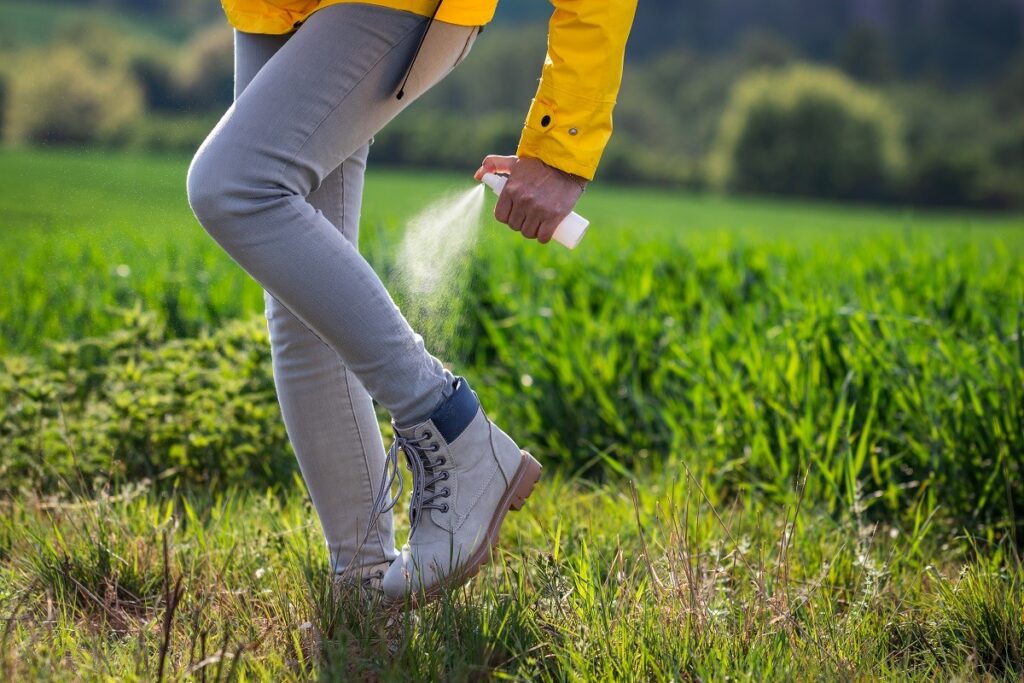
{"type": "Point", "coordinates": [455, 414]}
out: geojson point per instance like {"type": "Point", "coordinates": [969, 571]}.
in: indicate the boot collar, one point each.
{"type": "Point", "coordinates": [453, 415]}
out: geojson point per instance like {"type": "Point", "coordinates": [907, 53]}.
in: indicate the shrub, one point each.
{"type": "Point", "coordinates": [152, 62]}
{"type": "Point", "coordinates": [436, 139]}
{"type": "Point", "coordinates": [134, 405]}
{"type": "Point", "coordinates": [627, 162]}
{"type": "Point", "coordinates": [807, 131]}
{"type": "Point", "coordinates": [155, 69]}
{"type": "Point", "coordinates": [944, 178]}
{"type": "Point", "coordinates": [987, 173]}
{"type": "Point", "coordinates": [60, 97]}
{"type": "Point", "coordinates": [206, 78]}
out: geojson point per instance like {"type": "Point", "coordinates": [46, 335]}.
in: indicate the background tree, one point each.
{"type": "Point", "coordinates": [808, 131]}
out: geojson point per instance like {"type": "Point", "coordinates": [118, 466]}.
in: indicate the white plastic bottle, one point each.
{"type": "Point", "coordinates": [568, 233]}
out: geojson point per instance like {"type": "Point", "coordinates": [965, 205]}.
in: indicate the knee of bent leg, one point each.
{"type": "Point", "coordinates": [209, 186]}
{"type": "Point", "coordinates": [203, 196]}
{"type": "Point", "coordinates": [206, 188]}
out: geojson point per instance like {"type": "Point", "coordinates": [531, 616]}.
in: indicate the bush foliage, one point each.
{"type": "Point", "coordinates": [61, 97]}
{"type": "Point", "coordinates": [887, 367]}
{"type": "Point", "coordinates": [808, 131]}
{"type": "Point", "coordinates": [135, 405]}
{"type": "Point", "coordinates": [667, 120]}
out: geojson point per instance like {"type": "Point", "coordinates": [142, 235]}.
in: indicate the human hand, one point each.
{"type": "Point", "coordinates": [536, 198]}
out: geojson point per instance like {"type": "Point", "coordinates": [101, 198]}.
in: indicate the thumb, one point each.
{"type": "Point", "coordinates": [494, 163]}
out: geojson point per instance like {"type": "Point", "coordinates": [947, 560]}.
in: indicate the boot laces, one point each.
{"type": "Point", "coordinates": [424, 478]}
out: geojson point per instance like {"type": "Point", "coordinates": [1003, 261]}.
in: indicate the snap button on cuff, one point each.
{"type": "Point", "coordinates": [573, 131]}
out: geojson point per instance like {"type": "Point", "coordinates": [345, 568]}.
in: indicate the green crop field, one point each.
{"type": "Point", "coordinates": [783, 441]}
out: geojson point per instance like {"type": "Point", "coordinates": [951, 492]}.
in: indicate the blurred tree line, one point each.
{"type": "Point", "coordinates": [190, 10]}
{"type": "Point", "coordinates": [954, 40]}
{"type": "Point", "coordinates": [886, 100]}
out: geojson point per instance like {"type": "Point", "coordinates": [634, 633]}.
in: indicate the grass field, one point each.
{"type": "Point", "coordinates": [820, 410]}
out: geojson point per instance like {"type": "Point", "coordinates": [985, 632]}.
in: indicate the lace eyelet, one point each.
{"type": "Point", "coordinates": [445, 477]}
{"type": "Point", "coordinates": [436, 447]}
{"type": "Point", "coordinates": [446, 492]}
{"type": "Point", "coordinates": [444, 508]}
{"type": "Point", "coordinates": [427, 434]}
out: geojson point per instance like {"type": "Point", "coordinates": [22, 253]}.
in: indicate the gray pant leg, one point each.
{"type": "Point", "coordinates": [327, 412]}
{"type": "Point", "coordinates": [325, 92]}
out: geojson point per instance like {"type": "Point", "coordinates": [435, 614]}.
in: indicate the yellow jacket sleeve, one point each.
{"type": "Point", "coordinates": [570, 120]}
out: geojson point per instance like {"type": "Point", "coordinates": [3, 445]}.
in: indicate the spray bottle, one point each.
{"type": "Point", "coordinates": [568, 233]}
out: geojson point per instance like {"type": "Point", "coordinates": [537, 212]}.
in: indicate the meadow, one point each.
{"type": "Point", "coordinates": [783, 441]}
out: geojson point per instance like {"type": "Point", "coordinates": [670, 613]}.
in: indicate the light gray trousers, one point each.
{"type": "Point", "coordinates": [278, 184]}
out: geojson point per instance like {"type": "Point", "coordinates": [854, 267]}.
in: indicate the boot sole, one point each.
{"type": "Point", "coordinates": [523, 482]}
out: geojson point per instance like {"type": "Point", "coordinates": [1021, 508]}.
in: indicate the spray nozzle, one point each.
{"type": "Point", "coordinates": [568, 233]}
{"type": "Point", "coordinates": [495, 181]}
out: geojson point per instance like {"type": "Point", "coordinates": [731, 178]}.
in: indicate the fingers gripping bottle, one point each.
{"type": "Point", "coordinates": [568, 233]}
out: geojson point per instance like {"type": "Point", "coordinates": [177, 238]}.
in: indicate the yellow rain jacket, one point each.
{"type": "Point", "coordinates": [570, 120]}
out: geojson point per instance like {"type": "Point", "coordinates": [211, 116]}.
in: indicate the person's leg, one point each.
{"type": "Point", "coordinates": [327, 413]}
{"type": "Point", "coordinates": [315, 102]}
{"type": "Point", "coordinates": [313, 105]}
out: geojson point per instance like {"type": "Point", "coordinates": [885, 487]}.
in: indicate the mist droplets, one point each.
{"type": "Point", "coordinates": [431, 270]}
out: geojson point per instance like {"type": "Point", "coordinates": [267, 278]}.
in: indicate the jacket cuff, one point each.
{"type": "Point", "coordinates": [566, 131]}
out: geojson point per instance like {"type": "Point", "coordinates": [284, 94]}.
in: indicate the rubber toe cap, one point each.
{"type": "Point", "coordinates": [397, 579]}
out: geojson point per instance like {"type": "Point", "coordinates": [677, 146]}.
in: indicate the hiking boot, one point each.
{"type": "Point", "coordinates": [466, 474]}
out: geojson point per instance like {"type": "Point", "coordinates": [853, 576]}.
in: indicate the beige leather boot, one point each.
{"type": "Point", "coordinates": [467, 474]}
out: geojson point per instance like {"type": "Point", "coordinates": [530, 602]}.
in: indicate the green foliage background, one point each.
{"type": "Point", "coordinates": [755, 341]}
{"type": "Point", "coordinates": [810, 132]}
{"type": "Point", "coordinates": [950, 69]}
